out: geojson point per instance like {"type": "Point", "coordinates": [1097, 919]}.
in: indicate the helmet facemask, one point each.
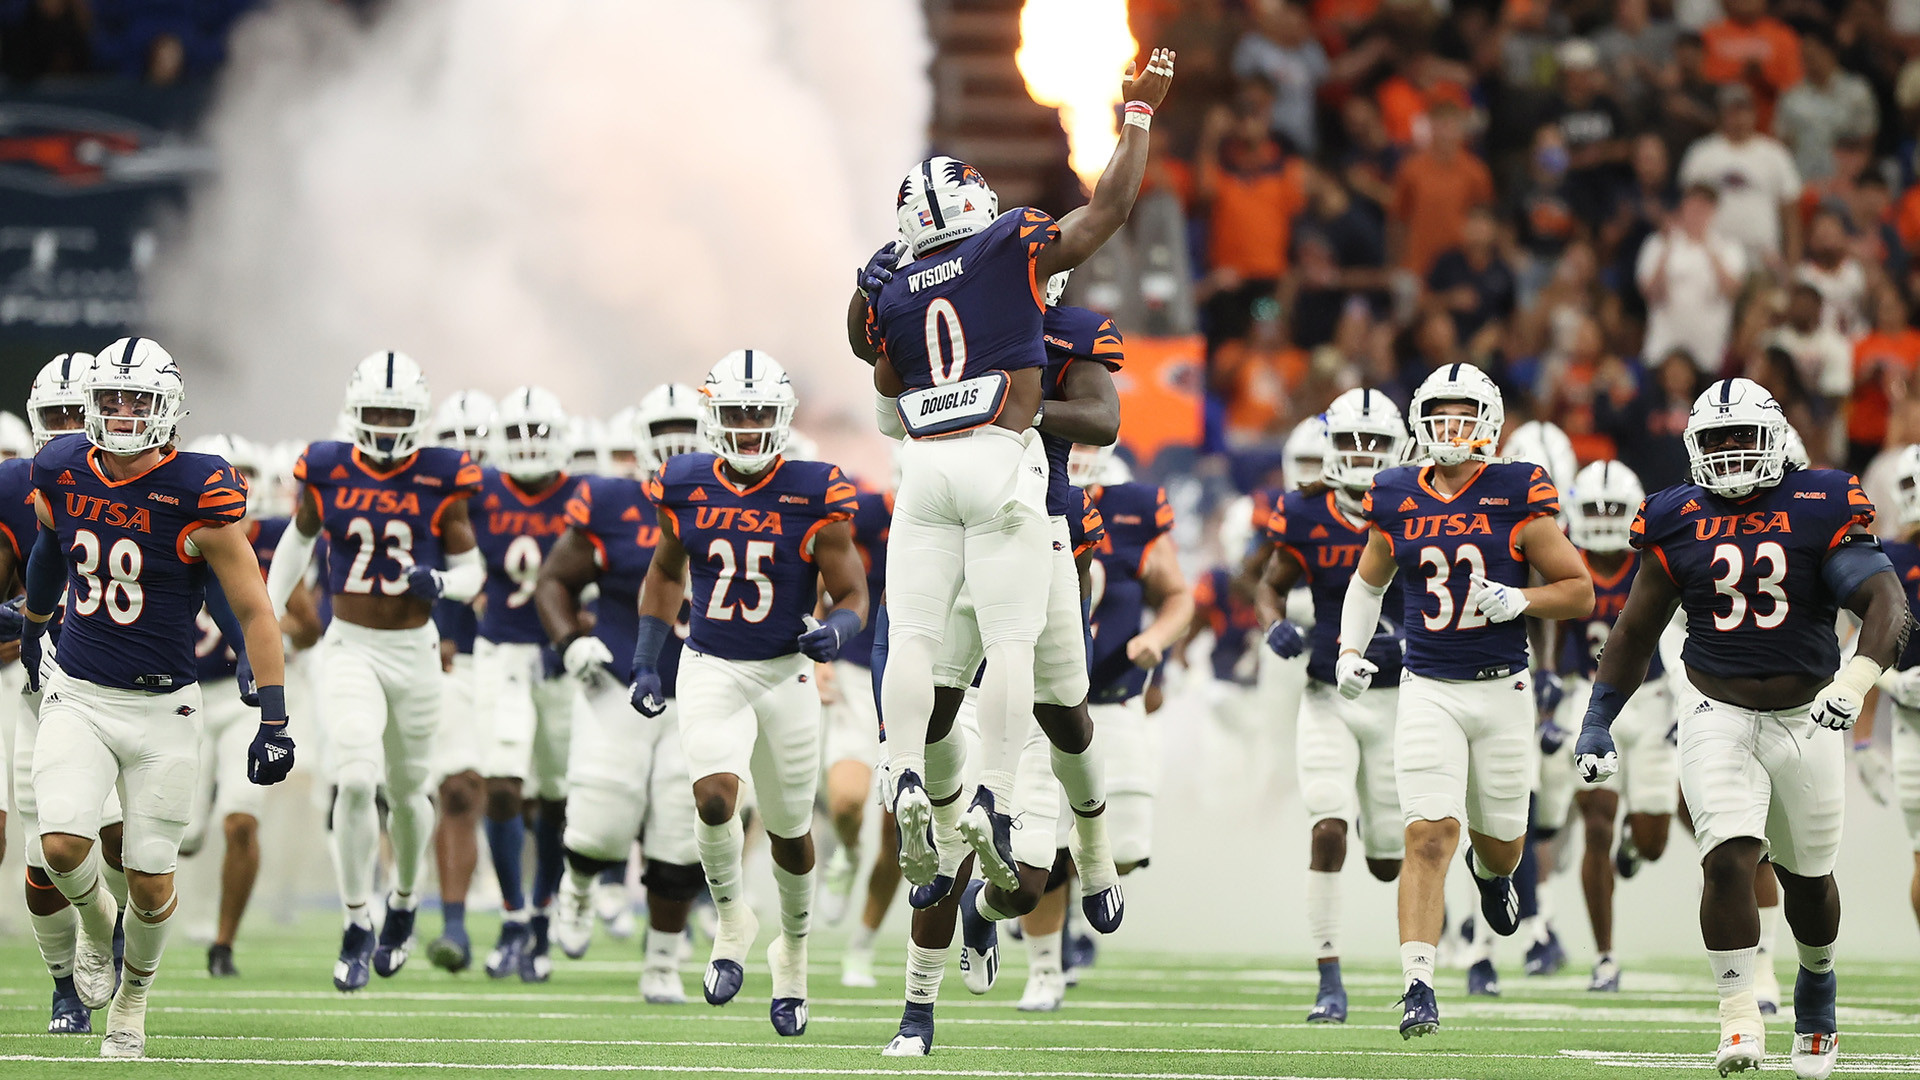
{"type": "Point", "coordinates": [1601, 526]}
{"type": "Point", "coordinates": [1733, 457]}
{"type": "Point", "coordinates": [1454, 431]}
{"type": "Point", "coordinates": [124, 420]}
{"type": "Point", "coordinates": [386, 432]}
{"type": "Point", "coordinates": [668, 438]}
{"type": "Point", "coordinates": [1356, 453]}
{"type": "Point", "coordinates": [530, 449]}
{"type": "Point", "coordinates": [747, 434]}
{"type": "Point", "coordinates": [57, 418]}
{"type": "Point", "coordinates": [1906, 496]}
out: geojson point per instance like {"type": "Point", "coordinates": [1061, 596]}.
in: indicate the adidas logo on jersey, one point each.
{"type": "Point", "coordinates": [632, 513]}
{"type": "Point", "coordinates": [493, 502]}
{"type": "Point", "coordinates": [1319, 533]}
{"type": "Point", "coordinates": [699, 495]}
{"type": "Point", "coordinates": [339, 473]}
{"type": "Point", "coordinates": [1692, 507]}
{"type": "Point", "coordinates": [1407, 504]}
{"type": "Point", "coordinates": [66, 477]}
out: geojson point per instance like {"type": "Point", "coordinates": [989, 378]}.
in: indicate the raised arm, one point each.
{"type": "Point", "coordinates": [1083, 231]}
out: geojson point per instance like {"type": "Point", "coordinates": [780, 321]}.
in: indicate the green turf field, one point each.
{"type": "Point", "coordinates": [1136, 1014]}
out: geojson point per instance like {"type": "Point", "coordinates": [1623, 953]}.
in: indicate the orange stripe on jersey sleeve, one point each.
{"type": "Point", "coordinates": [220, 497]}
{"type": "Point", "coordinates": [580, 509]}
{"type": "Point", "coordinates": [806, 540]}
{"type": "Point", "coordinates": [300, 467]}
{"type": "Point", "coordinates": [656, 491]}
{"type": "Point", "coordinates": [13, 542]}
{"type": "Point", "coordinates": [1661, 556]}
{"type": "Point", "coordinates": [467, 476]}
{"type": "Point", "coordinates": [441, 511]}
{"type": "Point", "coordinates": [180, 542]}
{"type": "Point", "coordinates": [1384, 535]}
{"type": "Point", "coordinates": [1306, 568]}
{"type": "Point", "coordinates": [1203, 594]}
{"type": "Point", "coordinates": [599, 551]}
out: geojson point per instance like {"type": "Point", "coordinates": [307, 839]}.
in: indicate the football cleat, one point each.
{"type": "Point", "coordinates": [1499, 903]}
{"type": "Point", "coordinates": [573, 918]}
{"type": "Point", "coordinates": [661, 986]}
{"type": "Point", "coordinates": [913, 812]}
{"type": "Point", "coordinates": [395, 944]}
{"type": "Point", "coordinates": [1816, 1037]}
{"type": "Point", "coordinates": [614, 909]}
{"type": "Point", "coordinates": [1546, 957]}
{"type": "Point", "coordinates": [990, 834]}
{"type": "Point", "coordinates": [536, 961]}
{"type": "Point", "coordinates": [723, 980]}
{"type": "Point", "coordinates": [220, 962]}
{"type": "Point", "coordinates": [915, 1037]}
{"type": "Point", "coordinates": [979, 943]}
{"type": "Point", "coordinates": [1046, 990]}
{"type": "Point", "coordinates": [1606, 977]}
{"type": "Point", "coordinates": [126, 1024]}
{"type": "Point", "coordinates": [856, 967]}
{"type": "Point", "coordinates": [1330, 1007]}
{"type": "Point", "coordinates": [789, 1016]}
{"type": "Point", "coordinates": [451, 951]}
{"type": "Point", "coordinates": [1743, 1035]}
{"type": "Point", "coordinates": [925, 896]}
{"type": "Point", "coordinates": [726, 964]}
{"type": "Point", "coordinates": [1482, 980]}
{"type": "Point", "coordinates": [1814, 1054]}
{"type": "Point", "coordinates": [70, 1015]}
{"type": "Point", "coordinates": [787, 967]}
{"type": "Point", "coordinates": [1626, 858]}
{"type": "Point", "coordinates": [94, 969]}
{"type": "Point", "coordinates": [504, 960]}
{"type": "Point", "coordinates": [1104, 909]}
{"type": "Point", "coordinates": [1421, 1013]}
{"type": "Point", "coordinates": [354, 968]}
{"type": "Point", "coordinates": [839, 884]}
{"type": "Point", "coordinates": [1078, 951]}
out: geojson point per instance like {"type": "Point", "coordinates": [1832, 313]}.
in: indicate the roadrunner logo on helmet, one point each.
{"type": "Point", "coordinates": [1365, 434]}
{"type": "Point", "coordinates": [530, 434]}
{"type": "Point", "coordinates": [749, 410]}
{"type": "Point", "coordinates": [1606, 496]}
{"type": "Point", "coordinates": [387, 405]}
{"type": "Point", "coordinates": [667, 424]}
{"type": "Point", "coordinates": [1736, 438]}
{"type": "Point", "coordinates": [465, 422]}
{"type": "Point", "coordinates": [134, 397]}
{"type": "Point", "coordinates": [57, 404]}
{"type": "Point", "coordinates": [1455, 438]}
{"type": "Point", "coordinates": [941, 200]}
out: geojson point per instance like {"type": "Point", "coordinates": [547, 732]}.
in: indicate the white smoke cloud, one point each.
{"type": "Point", "coordinates": [593, 195]}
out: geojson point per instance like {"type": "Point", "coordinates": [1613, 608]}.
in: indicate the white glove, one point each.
{"type": "Point", "coordinates": [1501, 603]}
{"type": "Point", "coordinates": [1904, 687]}
{"type": "Point", "coordinates": [1876, 775]}
{"type": "Point", "coordinates": [1354, 673]}
{"type": "Point", "coordinates": [585, 657]}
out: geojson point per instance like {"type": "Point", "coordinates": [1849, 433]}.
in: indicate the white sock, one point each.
{"type": "Point", "coordinates": [1732, 970]}
{"type": "Point", "coordinates": [720, 847]}
{"type": "Point", "coordinates": [1481, 947]}
{"type": "Point", "coordinates": [988, 911]}
{"type": "Point", "coordinates": [410, 827]}
{"type": "Point", "coordinates": [1043, 951]}
{"type": "Point", "coordinates": [663, 950]}
{"type": "Point", "coordinates": [1769, 926]}
{"type": "Point", "coordinates": [55, 935]}
{"type": "Point", "coordinates": [517, 915]}
{"type": "Point", "coordinates": [116, 882]}
{"type": "Point", "coordinates": [1815, 958]}
{"type": "Point", "coordinates": [400, 901]}
{"type": "Point", "coordinates": [946, 764]}
{"type": "Point", "coordinates": [925, 967]}
{"type": "Point", "coordinates": [1480, 869]}
{"type": "Point", "coordinates": [1323, 913]}
{"type": "Point", "coordinates": [796, 902]}
{"type": "Point", "coordinates": [862, 939]}
{"type": "Point", "coordinates": [1006, 710]}
{"type": "Point", "coordinates": [82, 887]}
{"type": "Point", "coordinates": [1083, 775]}
{"type": "Point", "coordinates": [356, 837]}
{"type": "Point", "coordinates": [1416, 961]}
{"type": "Point", "coordinates": [906, 699]}
{"type": "Point", "coordinates": [146, 940]}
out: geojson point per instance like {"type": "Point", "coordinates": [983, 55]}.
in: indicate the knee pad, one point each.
{"type": "Point", "coordinates": [672, 881]}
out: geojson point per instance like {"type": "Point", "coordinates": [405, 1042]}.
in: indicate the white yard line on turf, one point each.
{"type": "Point", "coordinates": [740, 1070]}
{"type": "Point", "coordinates": [1850, 1063]}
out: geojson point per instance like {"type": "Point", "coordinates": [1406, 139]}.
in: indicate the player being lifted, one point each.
{"type": "Point", "coordinates": [394, 512]}
{"type": "Point", "coordinates": [625, 779]}
{"type": "Point", "coordinates": [1904, 685]}
{"type": "Point", "coordinates": [1470, 531]}
{"type": "Point", "coordinates": [757, 533]}
{"type": "Point", "coordinates": [963, 378]}
{"type": "Point", "coordinates": [1761, 557]}
{"type": "Point", "coordinates": [130, 528]}
{"type": "Point", "coordinates": [1345, 746]}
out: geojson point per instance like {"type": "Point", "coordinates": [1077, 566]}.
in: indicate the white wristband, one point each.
{"type": "Point", "coordinates": [1139, 114]}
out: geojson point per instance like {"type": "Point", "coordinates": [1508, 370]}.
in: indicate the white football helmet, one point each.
{"type": "Point", "coordinates": [1796, 450]}
{"type": "Point", "coordinates": [586, 439]}
{"type": "Point", "coordinates": [1057, 287]}
{"type": "Point", "coordinates": [56, 404]}
{"type": "Point", "coordinates": [16, 438]}
{"type": "Point", "coordinates": [529, 434]}
{"type": "Point", "coordinates": [1303, 459]}
{"type": "Point", "coordinates": [1097, 466]}
{"type": "Point", "coordinates": [1236, 530]}
{"type": "Point", "coordinates": [620, 444]}
{"type": "Point", "coordinates": [465, 422]}
{"type": "Point", "coordinates": [667, 423]}
{"type": "Point", "coordinates": [1600, 508]}
{"type": "Point", "coordinates": [134, 397]}
{"type": "Point", "coordinates": [749, 415]}
{"type": "Point", "coordinates": [1906, 485]}
{"type": "Point", "coordinates": [1736, 438]}
{"type": "Point", "coordinates": [1455, 440]}
{"type": "Point", "coordinates": [1542, 443]}
{"type": "Point", "coordinates": [1365, 433]}
{"type": "Point", "coordinates": [941, 200]}
{"type": "Point", "coordinates": [246, 459]}
{"type": "Point", "coordinates": [387, 405]}
{"type": "Point", "coordinates": [801, 447]}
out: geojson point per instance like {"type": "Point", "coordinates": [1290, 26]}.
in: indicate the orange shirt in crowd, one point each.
{"type": "Point", "coordinates": [1258, 385]}
{"type": "Point", "coordinates": [1895, 355]}
{"type": "Point", "coordinates": [1906, 219]}
{"type": "Point", "coordinates": [1572, 408]}
{"type": "Point", "coordinates": [1431, 199]}
{"type": "Point", "coordinates": [1344, 13]}
{"type": "Point", "coordinates": [1404, 106]}
{"type": "Point", "coordinates": [1253, 211]}
{"type": "Point", "coordinates": [1767, 41]}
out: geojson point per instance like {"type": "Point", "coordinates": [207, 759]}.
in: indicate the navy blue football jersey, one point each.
{"type": "Point", "coordinates": [18, 524]}
{"type": "Point", "coordinates": [1749, 570]}
{"type": "Point", "coordinates": [1582, 639]}
{"type": "Point", "coordinates": [214, 654]}
{"type": "Point", "coordinates": [750, 548]}
{"type": "Point", "coordinates": [1135, 516]}
{"type": "Point", "coordinates": [514, 529]}
{"type": "Point", "coordinates": [383, 522]}
{"type": "Point", "coordinates": [458, 623]}
{"type": "Point", "coordinates": [1235, 624]}
{"type": "Point", "coordinates": [1438, 541]}
{"type": "Point", "coordinates": [1071, 333]}
{"type": "Point", "coordinates": [1327, 545]}
{"type": "Point", "coordinates": [871, 524]}
{"type": "Point", "coordinates": [1906, 563]}
{"type": "Point", "coordinates": [135, 582]}
{"type": "Point", "coordinates": [614, 515]}
{"type": "Point", "coordinates": [969, 308]}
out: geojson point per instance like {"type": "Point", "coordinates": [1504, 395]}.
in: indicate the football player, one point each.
{"type": "Point", "coordinates": [1472, 530]}
{"type": "Point", "coordinates": [525, 702]}
{"type": "Point", "coordinates": [1903, 685]}
{"type": "Point", "coordinates": [625, 779]}
{"type": "Point", "coordinates": [130, 527]}
{"type": "Point", "coordinates": [1344, 746]}
{"type": "Point", "coordinates": [464, 421]}
{"type": "Point", "coordinates": [1605, 496]}
{"type": "Point", "coordinates": [757, 532]}
{"type": "Point", "coordinates": [55, 405]}
{"type": "Point", "coordinates": [394, 513]}
{"type": "Point", "coordinates": [962, 377]}
{"type": "Point", "coordinates": [1761, 557]}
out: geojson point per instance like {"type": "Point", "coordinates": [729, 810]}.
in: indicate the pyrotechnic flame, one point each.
{"type": "Point", "coordinates": [1072, 56]}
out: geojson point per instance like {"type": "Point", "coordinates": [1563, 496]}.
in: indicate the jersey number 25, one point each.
{"type": "Point", "coordinates": [759, 554]}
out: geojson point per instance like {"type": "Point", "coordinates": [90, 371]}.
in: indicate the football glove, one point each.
{"type": "Point", "coordinates": [1354, 674]}
{"type": "Point", "coordinates": [873, 277]}
{"type": "Point", "coordinates": [1594, 754]}
{"type": "Point", "coordinates": [270, 756]}
{"type": "Point", "coordinates": [585, 658]}
{"type": "Point", "coordinates": [424, 582]}
{"type": "Point", "coordinates": [33, 641]}
{"type": "Point", "coordinates": [1552, 736]}
{"type": "Point", "coordinates": [1904, 687]}
{"type": "Point", "coordinates": [12, 623]}
{"type": "Point", "coordinates": [823, 640]}
{"type": "Point", "coordinates": [646, 694]}
{"type": "Point", "coordinates": [1501, 603]}
{"type": "Point", "coordinates": [1838, 705]}
{"type": "Point", "coordinates": [1548, 692]}
{"type": "Point", "coordinates": [243, 674]}
{"type": "Point", "coordinates": [1875, 774]}
{"type": "Point", "coordinates": [1283, 637]}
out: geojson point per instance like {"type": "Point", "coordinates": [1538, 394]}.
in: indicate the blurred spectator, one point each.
{"type": "Point", "coordinates": [1422, 86]}
{"type": "Point", "coordinates": [1530, 31]}
{"type": "Point", "coordinates": [1883, 369]}
{"type": "Point", "coordinates": [1828, 104]}
{"type": "Point", "coordinates": [1832, 271]}
{"type": "Point", "coordinates": [1570, 384]}
{"type": "Point", "coordinates": [166, 60]}
{"type": "Point", "coordinates": [1688, 101]}
{"type": "Point", "coordinates": [1752, 49]}
{"type": "Point", "coordinates": [1280, 48]}
{"type": "Point", "coordinates": [1371, 161]}
{"type": "Point", "coordinates": [1427, 347]}
{"type": "Point", "coordinates": [1639, 209]}
{"type": "Point", "coordinates": [50, 38]}
{"type": "Point", "coordinates": [1634, 49]}
{"type": "Point", "coordinates": [1434, 190]}
{"type": "Point", "coordinates": [1756, 180]}
{"type": "Point", "coordinates": [1821, 357]}
{"type": "Point", "coordinates": [1542, 209]}
{"type": "Point", "coordinates": [1775, 369]}
{"type": "Point", "coordinates": [1690, 276]}
{"type": "Point", "coordinates": [1648, 426]}
{"type": "Point", "coordinates": [1203, 34]}
{"type": "Point", "coordinates": [1340, 255]}
{"type": "Point", "coordinates": [1254, 188]}
{"type": "Point", "coordinates": [1592, 129]}
{"type": "Point", "coordinates": [1473, 283]}
{"type": "Point", "coordinates": [1256, 376]}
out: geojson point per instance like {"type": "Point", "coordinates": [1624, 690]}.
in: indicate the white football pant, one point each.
{"type": "Point", "coordinates": [1345, 753]}
{"type": "Point", "coordinates": [1464, 749]}
{"type": "Point", "coordinates": [627, 779]}
{"type": "Point", "coordinates": [757, 719]}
